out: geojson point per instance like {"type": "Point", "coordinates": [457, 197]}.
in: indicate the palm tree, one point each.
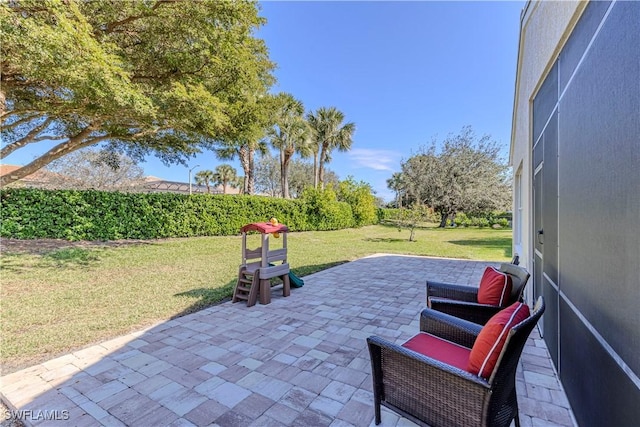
{"type": "Point", "coordinates": [239, 184]}
{"type": "Point", "coordinates": [396, 183]}
{"type": "Point", "coordinates": [328, 134]}
{"type": "Point", "coordinates": [224, 175]}
{"type": "Point", "coordinates": [204, 177]}
{"type": "Point", "coordinates": [244, 139]}
{"type": "Point", "coordinates": [289, 135]}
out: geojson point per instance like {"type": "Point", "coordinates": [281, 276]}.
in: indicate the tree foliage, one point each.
{"type": "Point", "coordinates": [268, 178]}
{"type": "Point", "coordinates": [247, 140]}
{"type": "Point", "coordinates": [289, 135]}
{"type": "Point", "coordinates": [267, 175]}
{"type": "Point", "coordinates": [361, 197]}
{"type": "Point", "coordinates": [95, 169]}
{"type": "Point", "coordinates": [225, 175]}
{"type": "Point", "coordinates": [301, 176]}
{"type": "Point", "coordinates": [397, 185]}
{"type": "Point", "coordinates": [411, 218]}
{"type": "Point", "coordinates": [205, 177]}
{"type": "Point", "coordinates": [467, 175]}
{"type": "Point", "coordinates": [164, 77]}
{"type": "Point", "coordinates": [329, 133]}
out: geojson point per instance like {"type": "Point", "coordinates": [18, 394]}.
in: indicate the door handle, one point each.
{"type": "Point", "coordinates": [541, 236]}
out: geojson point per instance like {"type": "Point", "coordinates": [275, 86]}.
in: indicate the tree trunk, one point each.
{"type": "Point", "coordinates": [285, 179]}
{"type": "Point", "coordinates": [412, 235]}
{"type": "Point", "coordinates": [3, 100]}
{"type": "Point", "coordinates": [251, 176]}
{"type": "Point", "coordinates": [443, 219]}
{"type": "Point", "coordinates": [321, 166]}
{"type": "Point", "coordinates": [74, 143]}
{"type": "Point", "coordinates": [315, 169]}
{"type": "Point", "coordinates": [243, 155]}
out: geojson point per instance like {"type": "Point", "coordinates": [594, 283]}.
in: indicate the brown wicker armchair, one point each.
{"type": "Point", "coordinates": [431, 392]}
{"type": "Point", "coordinates": [462, 301]}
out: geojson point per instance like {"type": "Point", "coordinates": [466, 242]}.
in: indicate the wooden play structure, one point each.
{"type": "Point", "coordinates": [260, 265]}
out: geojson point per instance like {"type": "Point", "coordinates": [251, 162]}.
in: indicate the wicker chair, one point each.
{"type": "Point", "coordinates": [462, 301]}
{"type": "Point", "coordinates": [431, 392]}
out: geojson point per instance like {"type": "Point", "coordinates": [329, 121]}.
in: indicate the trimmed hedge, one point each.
{"type": "Point", "coordinates": [488, 219]}
{"type": "Point", "coordinates": [99, 215]}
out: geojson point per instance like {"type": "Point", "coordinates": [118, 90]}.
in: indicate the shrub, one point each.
{"type": "Point", "coordinates": [99, 215]}
{"type": "Point", "coordinates": [359, 196]}
{"type": "Point", "coordinates": [325, 211]}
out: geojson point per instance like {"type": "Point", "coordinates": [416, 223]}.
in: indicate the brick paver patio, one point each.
{"type": "Point", "coordinates": [299, 361]}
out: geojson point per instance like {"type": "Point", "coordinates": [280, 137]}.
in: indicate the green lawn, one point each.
{"type": "Point", "coordinates": [69, 298]}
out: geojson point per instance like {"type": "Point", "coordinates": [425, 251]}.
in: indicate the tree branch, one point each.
{"type": "Point", "coordinates": [81, 140]}
{"type": "Point", "coordinates": [28, 139]}
{"type": "Point", "coordinates": [112, 26]}
{"type": "Point", "coordinates": [19, 122]}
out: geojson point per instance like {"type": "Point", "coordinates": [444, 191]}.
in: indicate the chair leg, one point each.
{"type": "Point", "coordinates": [517, 418]}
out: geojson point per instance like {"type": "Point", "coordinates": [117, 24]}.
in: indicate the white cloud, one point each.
{"type": "Point", "coordinates": [382, 160]}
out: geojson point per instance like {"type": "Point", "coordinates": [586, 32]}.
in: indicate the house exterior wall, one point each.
{"type": "Point", "coordinates": [575, 151]}
{"type": "Point", "coordinates": [544, 29]}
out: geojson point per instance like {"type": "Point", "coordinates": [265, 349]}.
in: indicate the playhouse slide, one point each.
{"type": "Point", "coordinates": [295, 281]}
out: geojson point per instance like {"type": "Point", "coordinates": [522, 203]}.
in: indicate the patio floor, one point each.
{"type": "Point", "coordinates": [299, 361]}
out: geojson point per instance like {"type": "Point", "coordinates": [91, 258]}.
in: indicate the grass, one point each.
{"type": "Point", "coordinates": [68, 298]}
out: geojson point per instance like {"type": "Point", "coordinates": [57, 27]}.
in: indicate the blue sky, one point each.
{"type": "Point", "coordinates": [403, 72]}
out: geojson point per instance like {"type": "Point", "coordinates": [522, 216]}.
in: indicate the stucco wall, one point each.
{"type": "Point", "coordinates": [545, 27]}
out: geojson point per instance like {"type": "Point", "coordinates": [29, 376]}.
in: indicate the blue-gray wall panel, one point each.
{"type": "Point", "coordinates": [599, 178]}
{"type": "Point", "coordinates": [544, 102]}
{"type": "Point", "coordinates": [600, 393]}
{"type": "Point", "coordinates": [580, 38]}
{"type": "Point", "coordinates": [550, 320]}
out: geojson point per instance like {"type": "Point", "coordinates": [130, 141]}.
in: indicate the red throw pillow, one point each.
{"type": "Point", "coordinates": [495, 287]}
{"type": "Point", "coordinates": [486, 350]}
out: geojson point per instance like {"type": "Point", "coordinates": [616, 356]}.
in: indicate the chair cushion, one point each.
{"type": "Point", "coordinates": [495, 287]}
{"type": "Point", "coordinates": [488, 345]}
{"type": "Point", "coordinates": [439, 349]}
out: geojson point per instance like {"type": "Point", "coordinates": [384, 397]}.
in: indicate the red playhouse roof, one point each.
{"type": "Point", "coordinates": [265, 227]}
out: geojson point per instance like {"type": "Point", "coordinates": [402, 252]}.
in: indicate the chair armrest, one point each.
{"type": "Point", "coordinates": [415, 384]}
{"type": "Point", "coordinates": [471, 311]}
{"type": "Point", "coordinates": [449, 290]}
{"type": "Point", "coordinates": [448, 327]}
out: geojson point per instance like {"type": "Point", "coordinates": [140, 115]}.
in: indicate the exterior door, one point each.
{"type": "Point", "coordinates": [545, 232]}
{"type": "Point", "coordinates": [538, 230]}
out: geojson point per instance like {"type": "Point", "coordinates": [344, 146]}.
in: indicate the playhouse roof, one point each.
{"type": "Point", "coordinates": [265, 227]}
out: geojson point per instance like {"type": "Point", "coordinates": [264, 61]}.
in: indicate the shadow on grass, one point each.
{"type": "Point", "coordinates": [207, 297]}
{"type": "Point", "coordinates": [68, 258]}
{"type": "Point", "coordinates": [385, 240]}
{"type": "Point", "coordinates": [487, 242]}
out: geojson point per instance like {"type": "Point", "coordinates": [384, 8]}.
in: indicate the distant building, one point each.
{"type": "Point", "coordinates": [38, 179]}
{"type": "Point", "coordinates": [47, 180]}
{"type": "Point", "coordinates": [575, 152]}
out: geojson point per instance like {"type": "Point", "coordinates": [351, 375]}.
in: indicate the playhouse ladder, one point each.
{"type": "Point", "coordinates": [247, 286]}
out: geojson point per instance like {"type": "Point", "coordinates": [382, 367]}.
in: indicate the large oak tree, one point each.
{"type": "Point", "coordinates": [466, 174]}
{"type": "Point", "coordinates": [165, 77]}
